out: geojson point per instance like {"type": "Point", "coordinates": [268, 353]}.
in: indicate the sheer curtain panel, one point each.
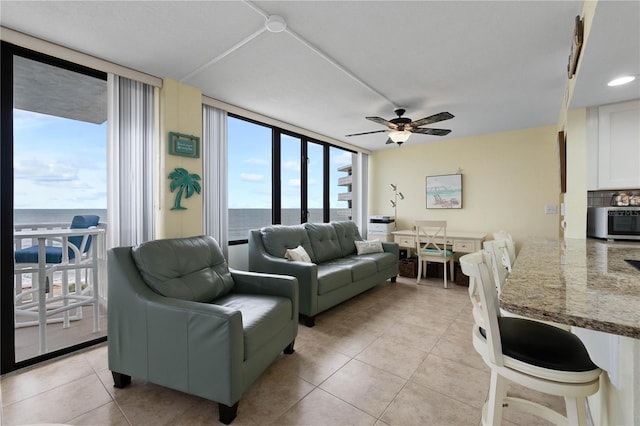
{"type": "Point", "coordinates": [132, 131]}
{"type": "Point", "coordinates": [214, 165]}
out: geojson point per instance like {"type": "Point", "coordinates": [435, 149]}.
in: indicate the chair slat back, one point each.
{"type": "Point", "coordinates": [497, 250]}
{"type": "Point", "coordinates": [484, 297]}
{"type": "Point", "coordinates": [431, 235]}
{"type": "Point", "coordinates": [509, 257]}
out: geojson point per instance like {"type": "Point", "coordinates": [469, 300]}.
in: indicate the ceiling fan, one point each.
{"type": "Point", "coordinates": [400, 128]}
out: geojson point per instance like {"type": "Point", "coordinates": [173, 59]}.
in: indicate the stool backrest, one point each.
{"type": "Point", "coordinates": [484, 298]}
{"type": "Point", "coordinates": [497, 249]}
{"type": "Point", "coordinates": [510, 257]}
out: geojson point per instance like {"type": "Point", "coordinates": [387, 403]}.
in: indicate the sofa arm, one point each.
{"type": "Point", "coordinates": [390, 247]}
{"type": "Point", "coordinates": [196, 347]}
{"type": "Point", "coordinates": [263, 283]}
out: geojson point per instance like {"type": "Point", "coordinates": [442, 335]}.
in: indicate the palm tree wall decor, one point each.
{"type": "Point", "coordinates": [180, 178]}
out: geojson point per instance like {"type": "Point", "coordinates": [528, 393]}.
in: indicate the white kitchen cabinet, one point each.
{"type": "Point", "coordinates": [619, 145]}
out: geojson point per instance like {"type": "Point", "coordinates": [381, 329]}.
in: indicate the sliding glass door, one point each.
{"type": "Point", "coordinates": [54, 200]}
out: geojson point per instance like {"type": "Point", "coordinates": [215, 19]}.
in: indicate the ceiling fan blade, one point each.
{"type": "Point", "coordinates": [432, 119]}
{"type": "Point", "coordinates": [389, 141]}
{"type": "Point", "coordinates": [382, 121]}
{"type": "Point", "coordinates": [435, 132]}
{"type": "Point", "coordinates": [366, 133]}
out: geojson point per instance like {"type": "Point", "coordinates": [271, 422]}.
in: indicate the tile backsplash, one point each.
{"type": "Point", "coordinates": [603, 198]}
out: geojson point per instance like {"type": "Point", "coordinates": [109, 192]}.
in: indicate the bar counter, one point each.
{"type": "Point", "coordinates": [580, 282]}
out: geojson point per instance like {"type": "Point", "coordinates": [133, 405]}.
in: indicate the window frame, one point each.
{"type": "Point", "coordinates": [276, 195]}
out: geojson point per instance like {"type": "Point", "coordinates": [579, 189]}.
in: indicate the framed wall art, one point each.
{"type": "Point", "coordinates": [184, 145]}
{"type": "Point", "coordinates": [444, 192]}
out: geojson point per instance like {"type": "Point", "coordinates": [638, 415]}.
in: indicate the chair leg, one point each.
{"type": "Point", "coordinates": [120, 380]}
{"type": "Point", "coordinates": [576, 411]}
{"type": "Point", "coordinates": [289, 349]}
{"type": "Point", "coordinates": [227, 414]}
{"type": "Point", "coordinates": [444, 267]}
{"type": "Point", "coordinates": [497, 393]}
{"type": "Point", "coordinates": [419, 271]}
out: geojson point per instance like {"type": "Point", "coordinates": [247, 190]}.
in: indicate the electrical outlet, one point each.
{"type": "Point", "coordinates": [550, 209]}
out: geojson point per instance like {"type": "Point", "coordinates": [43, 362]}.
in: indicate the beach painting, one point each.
{"type": "Point", "coordinates": [444, 192]}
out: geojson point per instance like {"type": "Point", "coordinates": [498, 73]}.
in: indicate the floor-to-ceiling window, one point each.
{"type": "Point", "coordinates": [280, 177]}
{"type": "Point", "coordinates": [54, 141]}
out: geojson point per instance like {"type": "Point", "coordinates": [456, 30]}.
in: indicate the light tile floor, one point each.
{"type": "Point", "coordinates": [399, 354]}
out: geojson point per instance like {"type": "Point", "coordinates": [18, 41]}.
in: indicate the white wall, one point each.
{"type": "Point", "coordinates": [508, 178]}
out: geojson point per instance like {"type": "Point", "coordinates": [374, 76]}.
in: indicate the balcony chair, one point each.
{"type": "Point", "coordinates": [78, 257]}
{"type": "Point", "coordinates": [180, 318]}
{"type": "Point", "coordinates": [431, 246]}
{"type": "Point", "coordinates": [526, 352]}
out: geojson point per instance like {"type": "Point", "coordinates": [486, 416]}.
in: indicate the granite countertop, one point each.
{"type": "Point", "coordinates": [586, 283]}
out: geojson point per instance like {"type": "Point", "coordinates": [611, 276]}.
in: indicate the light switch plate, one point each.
{"type": "Point", "coordinates": [551, 209]}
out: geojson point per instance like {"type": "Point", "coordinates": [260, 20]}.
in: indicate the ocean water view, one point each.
{"type": "Point", "coordinates": [240, 220]}
{"type": "Point", "coordinates": [38, 216]}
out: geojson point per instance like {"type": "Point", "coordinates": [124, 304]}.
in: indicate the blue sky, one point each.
{"type": "Point", "coordinates": [62, 164]}
{"type": "Point", "coordinates": [250, 169]}
{"type": "Point", "coordinates": [58, 163]}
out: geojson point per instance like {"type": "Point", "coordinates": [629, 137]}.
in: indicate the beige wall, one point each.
{"type": "Point", "coordinates": [180, 111]}
{"type": "Point", "coordinates": [507, 180]}
{"type": "Point", "coordinates": [576, 196]}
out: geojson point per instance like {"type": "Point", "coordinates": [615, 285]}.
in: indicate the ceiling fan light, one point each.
{"type": "Point", "coordinates": [621, 80]}
{"type": "Point", "coordinates": [399, 137]}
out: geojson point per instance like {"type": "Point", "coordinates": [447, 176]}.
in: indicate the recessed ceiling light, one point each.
{"type": "Point", "coordinates": [621, 80]}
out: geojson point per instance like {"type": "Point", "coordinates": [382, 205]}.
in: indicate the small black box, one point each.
{"type": "Point", "coordinates": [402, 254]}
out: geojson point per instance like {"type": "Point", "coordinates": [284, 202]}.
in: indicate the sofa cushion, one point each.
{"type": "Point", "coordinates": [331, 276]}
{"type": "Point", "coordinates": [382, 260]}
{"type": "Point", "coordinates": [324, 241]}
{"type": "Point", "coordinates": [347, 233]}
{"type": "Point", "coordinates": [184, 268]}
{"type": "Point", "coordinates": [278, 238]}
{"type": "Point", "coordinates": [262, 317]}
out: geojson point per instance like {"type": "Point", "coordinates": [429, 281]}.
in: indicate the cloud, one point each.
{"type": "Point", "coordinates": [291, 165]}
{"type": "Point", "coordinates": [343, 158]}
{"type": "Point", "coordinates": [41, 172]}
{"type": "Point", "coordinates": [258, 161]}
{"type": "Point", "coordinates": [25, 120]}
{"type": "Point", "coordinates": [251, 177]}
{"type": "Point", "coordinates": [294, 182]}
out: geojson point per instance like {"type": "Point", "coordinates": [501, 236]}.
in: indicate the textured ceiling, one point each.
{"type": "Point", "coordinates": [496, 66]}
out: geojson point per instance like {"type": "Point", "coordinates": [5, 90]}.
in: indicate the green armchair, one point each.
{"type": "Point", "coordinates": [180, 318]}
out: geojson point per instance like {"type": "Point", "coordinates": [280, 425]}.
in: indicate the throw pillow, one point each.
{"type": "Point", "coordinates": [298, 253]}
{"type": "Point", "coordinates": [366, 247]}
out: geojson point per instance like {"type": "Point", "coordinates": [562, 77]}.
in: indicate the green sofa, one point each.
{"type": "Point", "coordinates": [179, 317]}
{"type": "Point", "coordinates": [336, 272]}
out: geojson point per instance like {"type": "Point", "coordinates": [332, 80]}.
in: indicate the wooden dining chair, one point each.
{"type": "Point", "coordinates": [431, 246]}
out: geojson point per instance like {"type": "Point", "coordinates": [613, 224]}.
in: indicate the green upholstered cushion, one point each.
{"type": "Point", "coordinates": [277, 239]}
{"type": "Point", "coordinates": [347, 233]}
{"type": "Point", "coordinates": [184, 268]}
{"type": "Point", "coordinates": [324, 241]}
{"type": "Point", "coordinates": [436, 251]}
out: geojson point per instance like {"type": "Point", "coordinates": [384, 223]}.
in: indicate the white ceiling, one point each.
{"type": "Point", "coordinates": [495, 65]}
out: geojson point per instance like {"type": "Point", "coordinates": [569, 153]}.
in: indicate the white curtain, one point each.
{"type": "Point", "coordinates": [214, 165]}
{"type": "Point", "coordinates": [360, 205]}
{"type": "Point", "coordinates": [130, 162]}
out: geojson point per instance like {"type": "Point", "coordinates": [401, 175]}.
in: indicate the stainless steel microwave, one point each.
{"type": "Point", "coordinates": [614, 223]}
